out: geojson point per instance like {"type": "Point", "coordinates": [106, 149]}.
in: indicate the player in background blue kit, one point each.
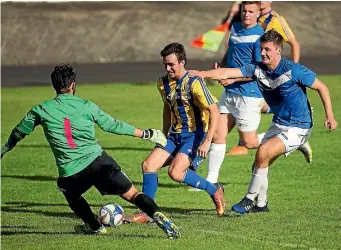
{"type": "Point", "coordinates": [240, 104]}
{"type": "Point", "coordinates": [283, 85]}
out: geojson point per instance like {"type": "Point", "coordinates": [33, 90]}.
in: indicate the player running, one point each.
{"type": "Point", "coordinates": [68, 123]}
{"type": "Point", "coordinates": [190, 117]}
{"type": "Point", "coordinates": [270, 19]}
{"type": "Point", "coordinates": [283, 85]}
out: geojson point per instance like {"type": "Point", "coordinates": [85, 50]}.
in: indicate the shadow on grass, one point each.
{"type": "Point", "coordinates": [105, 148]}
{"type": "Point", "coordinates": [110, 234]}
{"type": "Point", "coordinates": [36, 208]}
{"type": "Point", "coordinates": [52, 178]}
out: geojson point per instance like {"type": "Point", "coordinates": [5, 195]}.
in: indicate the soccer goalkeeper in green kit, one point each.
{"type": "Point", "coordinates": [68, 123]}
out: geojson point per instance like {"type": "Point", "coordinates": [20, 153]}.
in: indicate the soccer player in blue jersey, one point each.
{"type": "Point", "coordinates": [283, 85]}
{"type": "Point", "coordinates": [240, 104]}
{"type": "Point", "coordinates": [190, 117]}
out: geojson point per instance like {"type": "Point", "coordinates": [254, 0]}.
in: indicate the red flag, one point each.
{"type": "Point", "coordinates": [212, 39]}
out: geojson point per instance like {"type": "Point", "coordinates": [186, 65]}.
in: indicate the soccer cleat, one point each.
{"type": "Point", "coordinates": [166, 225]}
{"type": "Point", "coordinates": [306, 151]}
{"type": "Point", "coordinates": [244, 206]}
{"type": "Point", "coordinates": [138, 217]}
{"type": "Point", "coordinates": [85, 229]}
{"type": "Point", "coordinates": [256, 209]}
{"type": "Point", "coordinates": [219, 200]}
{"type": "Point", "coordinates": [238, 150]}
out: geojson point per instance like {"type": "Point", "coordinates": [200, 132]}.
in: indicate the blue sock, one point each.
{"type": "Point", "coordinates": [191, 178]}
{"type": "Point", "coordinates": [150, 184]}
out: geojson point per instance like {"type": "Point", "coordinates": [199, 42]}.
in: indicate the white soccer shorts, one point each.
{"type": "Point", "coordinates": [292, 137]}
{"type": "Point", "coordinates": [246, 110]}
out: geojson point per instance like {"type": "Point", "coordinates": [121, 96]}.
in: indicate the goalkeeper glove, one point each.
{"type": "Point", "coordinates": [154, 135]}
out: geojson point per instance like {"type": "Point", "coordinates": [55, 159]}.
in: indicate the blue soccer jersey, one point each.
{"type": "Point", "coordinates": [284, 89]}
{"type": "Point", "coordinates": [243, 49]}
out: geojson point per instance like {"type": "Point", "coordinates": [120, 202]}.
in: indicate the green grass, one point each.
{"type": "Point", "coordinates": [304, 199]}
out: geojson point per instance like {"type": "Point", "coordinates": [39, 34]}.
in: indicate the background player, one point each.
{"type": "Point", "coordinates": [68, 124]}
{"type": "Point", "coordinates": [240, 104]}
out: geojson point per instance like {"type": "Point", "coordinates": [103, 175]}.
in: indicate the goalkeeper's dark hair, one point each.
{"type": "Point", "coordinates": [178, 49]}
{"type": "Point", "coordinates": [62, 77]}
{"type": "Point", "coordinates": [274, 37]}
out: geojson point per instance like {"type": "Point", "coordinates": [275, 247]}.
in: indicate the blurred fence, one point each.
{"type": "Point", "coordinates": [103, 32]}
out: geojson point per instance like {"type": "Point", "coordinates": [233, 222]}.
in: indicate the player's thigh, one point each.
{"type": "Point", "coordinates": [248, 113]}
{"type": "Point", "coordinates": [110, 179]}
{"type": "Point", "coordinates": [293, 137]}
{"type": "Point", "coordinates": [269, 151]}
{"type": "Point", "coordinates": [179, 165]}
{"type": "Point", "coordinates": [75, 185]}
{"type": "Point", "coordinates": [157, 159]}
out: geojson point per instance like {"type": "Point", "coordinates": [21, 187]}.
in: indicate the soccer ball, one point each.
{"type": "Point", "coordinates": [111, 215]}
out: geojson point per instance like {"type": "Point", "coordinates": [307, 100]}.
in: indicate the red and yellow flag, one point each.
{"type": "Point", "coordinates": [212, 39]}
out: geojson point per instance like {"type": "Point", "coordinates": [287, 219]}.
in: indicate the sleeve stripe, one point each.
{"type": "Point", "coordinates": [206, 92]}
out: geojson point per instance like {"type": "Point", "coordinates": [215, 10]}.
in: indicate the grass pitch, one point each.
{"type": "Point", "coordinates": [304, 199]}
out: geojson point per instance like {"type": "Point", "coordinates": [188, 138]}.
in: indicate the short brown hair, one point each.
{"type": "Point", "coordinates": [178, 49]}
{"type": "Point", "coordinates": [272, 36]}
{"type": "Point", "coordinates": [258, 3]}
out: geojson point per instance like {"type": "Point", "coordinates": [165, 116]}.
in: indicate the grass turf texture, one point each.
{"type": "Point", "coordinates": [304, 199]}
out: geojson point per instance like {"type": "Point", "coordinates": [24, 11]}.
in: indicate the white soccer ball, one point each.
{"type": "Point", "coordinates": [111, 215]}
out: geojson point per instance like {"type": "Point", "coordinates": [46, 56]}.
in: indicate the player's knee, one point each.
{"type": "Point", "coordinates": [219, 138]}
{"type": "Point", "coordinates": [175, 174]}
{"type": "Point", "coordinates": [131, 194]}
{"type": "Point", "coordinates": [147, 166]}
{"type": "Point", "coordinates": [251, 144]}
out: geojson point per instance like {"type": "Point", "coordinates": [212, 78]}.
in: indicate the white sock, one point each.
{"type": "Point", "coordinates": [260, 137]}
{"type": "Point", "coordinates": [215, 159]}
{"type": "Point", "coordinates": [262, 195]}
{"type": "Point", "coordinates": [258, 179]}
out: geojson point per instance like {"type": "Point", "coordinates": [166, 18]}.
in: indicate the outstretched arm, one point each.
{"type": "Point", "coordinates": [25, 127]}
{"type": "Point", "coordinates": [109, 124]}
{"type": "Point", "coordinates": [12, 141]}
{"type": "Point", "coordinates": [218, 74]}
{"type": "Point", "coordinates": [323, 91]}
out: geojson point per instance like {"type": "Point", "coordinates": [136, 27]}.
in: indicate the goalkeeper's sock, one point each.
{"type": "Point", "coordinates": [146, 204]}
{"type": "Point", "coordinates": [150, 184]}
{"type": "Point", "coordinates": [193, 179]}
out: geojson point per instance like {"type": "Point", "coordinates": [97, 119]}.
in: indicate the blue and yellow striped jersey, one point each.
{"type": "Point", "coordinates": [187, 98]}
{"type": "Point", "coordinates": [273, 20]}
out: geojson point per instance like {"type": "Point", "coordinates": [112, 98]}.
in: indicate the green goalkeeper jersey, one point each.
{"type": "Point", "coordinates": [68, 122]}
